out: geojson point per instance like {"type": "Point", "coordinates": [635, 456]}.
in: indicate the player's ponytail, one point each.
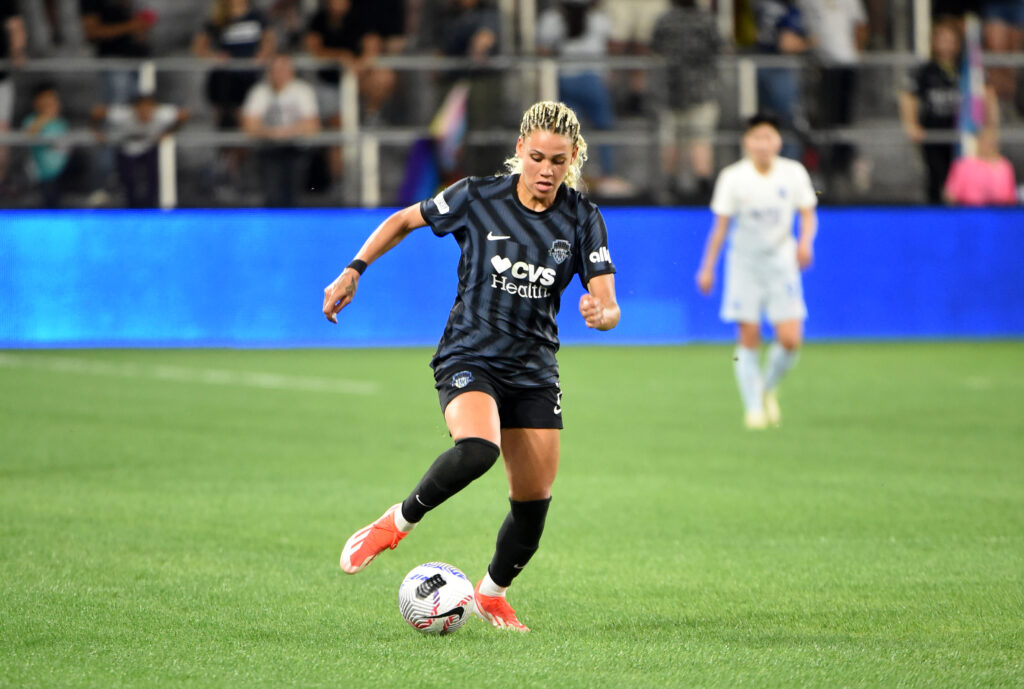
{"type": "Point", "coordinates": [557, 118]}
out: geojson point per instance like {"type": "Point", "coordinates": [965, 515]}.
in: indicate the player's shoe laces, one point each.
{"type": "Point", "coordinates": [370, 541]}
{"type": "Point", "coordinates": [497, 611]}
{"type": "Point", "coordinates": [772, 411]}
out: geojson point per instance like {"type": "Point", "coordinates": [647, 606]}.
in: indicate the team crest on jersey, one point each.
{"type": "Point", "coordinates": [561, 249]}
{"type": "Point", "coordinates": [462, 379]}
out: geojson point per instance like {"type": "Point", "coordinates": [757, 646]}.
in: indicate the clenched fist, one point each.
{"type": "Point", "coordinates": [592, 311]}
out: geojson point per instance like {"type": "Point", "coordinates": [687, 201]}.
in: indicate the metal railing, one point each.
{"type": "Point", "coordinates": [540, 75]}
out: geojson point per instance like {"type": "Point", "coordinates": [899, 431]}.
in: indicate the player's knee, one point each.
{"type": "Point", "coordinates": [474, 456]}
{"type": "Point", "coordinates": [791, 342]}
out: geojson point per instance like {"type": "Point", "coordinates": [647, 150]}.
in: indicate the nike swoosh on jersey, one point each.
{"type": "Point", "coordinates": [492, 237]}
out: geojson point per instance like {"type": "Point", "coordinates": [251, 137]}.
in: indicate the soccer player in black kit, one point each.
{"type": "Point", "coordinates": [523, 236]}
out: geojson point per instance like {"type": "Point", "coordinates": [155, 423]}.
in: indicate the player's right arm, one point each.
{"type": "Point", "coordinates": [387, 236]}
{"type": "Point", "coordinates": [712, 249]}
{"type": "Point", "coordinates": [725, 205]}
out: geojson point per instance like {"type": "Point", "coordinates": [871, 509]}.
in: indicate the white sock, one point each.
{"type": "Point", "coordinates": [489, 588]}
{"type": "Point", "coordinates": [748, 378]}
{"type": "Point", "coordinates": [780, 360]}
{"type": "Point", "coordinates": [403, 524]}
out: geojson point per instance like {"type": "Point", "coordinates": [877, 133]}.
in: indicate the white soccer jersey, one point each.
{"type": "Point", "coordinates": [762, 206]}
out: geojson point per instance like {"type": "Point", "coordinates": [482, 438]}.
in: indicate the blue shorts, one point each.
{"type": "Point", "coordinates": [1007, 11]}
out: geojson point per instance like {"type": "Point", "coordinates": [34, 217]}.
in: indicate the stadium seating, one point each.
{"type": "Point", "coordinates": [376, 158]}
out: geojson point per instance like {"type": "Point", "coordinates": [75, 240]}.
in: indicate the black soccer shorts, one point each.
{"type": "Point", "coordinates": [518, 407]}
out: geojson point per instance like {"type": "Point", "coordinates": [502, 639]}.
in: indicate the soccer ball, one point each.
{"type": "Point", "coordinates": [436, 598]}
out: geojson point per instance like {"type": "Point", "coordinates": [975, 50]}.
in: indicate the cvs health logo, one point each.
{"type": "Point", "coordinates": [539, 278]}
{"type": "Point", "coordinates": [522, 270]}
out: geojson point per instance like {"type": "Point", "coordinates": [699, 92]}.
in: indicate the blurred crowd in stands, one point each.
{"type": "Point", "coordinates": [252, 85]}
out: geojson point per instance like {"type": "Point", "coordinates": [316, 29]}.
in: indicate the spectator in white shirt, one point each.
{"type": "Point", "coordinates": [279, 111]}
{"type": "Point", "coordinates": [577, 30]}
{"type": "Point", "coordinates": [838, 31]}
{"type": "Point", "coordinates": [137, 129]}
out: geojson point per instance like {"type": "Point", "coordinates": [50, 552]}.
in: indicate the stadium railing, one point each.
{"type": "Point", "coordinates": [361, 145]}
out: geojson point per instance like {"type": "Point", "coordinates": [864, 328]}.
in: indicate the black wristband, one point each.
{"type": "Point", "coordinates": [357, 265]}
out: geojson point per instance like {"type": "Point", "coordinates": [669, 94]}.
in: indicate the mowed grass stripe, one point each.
{"type": "Point", "coordinates": [208, 376]}
{"type": "Point", "coordinates": [177, 533]}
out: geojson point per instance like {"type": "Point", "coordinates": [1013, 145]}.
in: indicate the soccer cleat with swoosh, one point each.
{"type": "Point", "coordinates": [370, 541]}
{"type": "Point", "coordinates": [497, 611]}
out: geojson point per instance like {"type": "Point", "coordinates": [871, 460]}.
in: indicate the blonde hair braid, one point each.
{"type": "Point", "coordinates": [557, 118]}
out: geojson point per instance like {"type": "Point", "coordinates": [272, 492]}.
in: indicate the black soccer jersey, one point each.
{"type": "Point", "coordinates": [515, 264]}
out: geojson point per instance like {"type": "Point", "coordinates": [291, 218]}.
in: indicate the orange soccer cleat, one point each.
{"type": "Point", "coordinates": [497, 611]}
{"type": "Point", "coordinates": [370, 541]}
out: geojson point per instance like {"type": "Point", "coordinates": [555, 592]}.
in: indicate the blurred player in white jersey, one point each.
{"type": "Point", "coordinates": [758, 197]}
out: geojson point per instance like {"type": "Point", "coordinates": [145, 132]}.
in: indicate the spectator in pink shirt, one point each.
{"type": "Point", "coordinates": [985, 179]}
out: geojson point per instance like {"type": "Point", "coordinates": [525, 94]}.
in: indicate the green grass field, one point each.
{"type": "Point", "coordinates": [174, 519]}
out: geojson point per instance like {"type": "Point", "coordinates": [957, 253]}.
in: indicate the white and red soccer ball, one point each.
{"type": "Point", "coordinates": [436, 598]}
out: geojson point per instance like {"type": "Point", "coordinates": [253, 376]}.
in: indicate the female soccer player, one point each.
{"type": "Point", "coordinates": [759, 196]}
{"type": "Point", "coordinates": [523, 237]}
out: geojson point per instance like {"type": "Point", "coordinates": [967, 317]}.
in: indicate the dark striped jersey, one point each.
{"type": "Point", "coordinates": [515, 264]}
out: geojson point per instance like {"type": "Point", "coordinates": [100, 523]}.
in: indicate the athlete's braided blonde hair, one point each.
{"type": "Point", "coordinates": [557, 118]}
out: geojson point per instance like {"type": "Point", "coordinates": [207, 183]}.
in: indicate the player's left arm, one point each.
{"type": "Point", "coordinates": [805, 243]}
{"type": "Point", "coordinates": [598, 307]}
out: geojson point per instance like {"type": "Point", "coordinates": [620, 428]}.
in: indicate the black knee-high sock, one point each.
{"type": "Point", "coordinates": [518, 539]}
{"type": "Point", "coordinates": [453, 470]}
